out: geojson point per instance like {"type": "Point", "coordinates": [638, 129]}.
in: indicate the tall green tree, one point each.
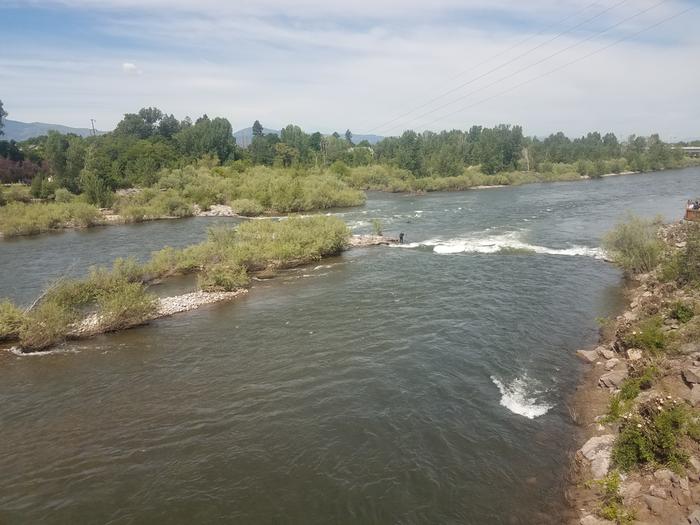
{"type": "Point", "coordinates": [3, 114]}
{"type": "Point", "coordinates": [257, 129]}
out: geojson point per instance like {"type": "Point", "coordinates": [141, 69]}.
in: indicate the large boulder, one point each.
{"type": "Point", "coordinates": [656, 505]}
{"type": "Point", "coordinates": [605, 352]}
{"type": "Point", "coordinates": [589, 356]}
{"type": "Point", "coordinates": [689, 348]}
{"type": "Point", "coordinates": [691, 374]}
{"type": "Point", "coordinates": [597, 451]}
{"type": "Point", "coordinates": [613, 379]}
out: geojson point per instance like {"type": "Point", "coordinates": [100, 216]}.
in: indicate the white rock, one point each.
{"type": "Point", "coordinates": [597, 450]}
{"type": "Point", "coordinates": [634, 354]}
{"type": "Point", "coordinates": [612, 363]}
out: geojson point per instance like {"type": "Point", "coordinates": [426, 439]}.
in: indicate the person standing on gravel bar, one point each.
{"type": "Point", "coordinates": [401, 238]}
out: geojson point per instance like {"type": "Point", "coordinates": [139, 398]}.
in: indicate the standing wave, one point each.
{"type": "Point", "coordinates": [520, 397]}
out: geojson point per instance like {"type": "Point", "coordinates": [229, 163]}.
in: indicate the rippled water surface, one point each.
{"type": "Point", "coordinates": [417, 384]}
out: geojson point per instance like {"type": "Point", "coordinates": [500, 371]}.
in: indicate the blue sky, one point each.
{"type": "Point", "coordinates": [335, 65]}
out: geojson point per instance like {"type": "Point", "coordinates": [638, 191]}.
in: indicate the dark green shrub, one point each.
{"type": "Point", "coordinates": [682, 312]}
{"type": "Point", "coordinates": [634, 245]}
{"type": "Point", "coordinates": [223, 278]}
{"type": "Point", "coordinates": [647, 335]}
{"type": "Point", "coordinates": [45, 326]}
{"type": "Point", "coordinates": [12, 320]}
{"type": "Point", "coordinates": [654, 437]}
{"type": "Point", "coordinates": [247, 207]}
{"type": "Point", "coordinates": [125, 304]}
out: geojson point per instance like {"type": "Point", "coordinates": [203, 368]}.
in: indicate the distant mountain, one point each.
{"type": "Point", "coordinates": [372, 139]}
{"type": "Point", "coordinates": [15, 130]}
{"type": "Point", "coordinates": [245, 136]}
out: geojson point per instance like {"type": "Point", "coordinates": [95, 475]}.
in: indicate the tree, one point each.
{"type": "Point", "coordinates": [168, 126]}
{"type": "Point", "coordinates": [257, 129]}
{"type": "Point", "coordinates": [348, 137]}
{"type": "Point", "coordinates": [55, 155]}
{"type": "Point", "coordinates": [150, 115]}
{"type": "Point", "coordinates": [285, 154]}
{"type": "Point", "coordinates": [3, 114]}
{"type": "Point", "coordinates": [134, 125]}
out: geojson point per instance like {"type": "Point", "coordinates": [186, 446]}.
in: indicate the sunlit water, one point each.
{"type": "Point", "coordinates": [419, 384]}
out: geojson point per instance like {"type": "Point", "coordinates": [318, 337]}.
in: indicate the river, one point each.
{"type": "Point", "coordinates": [426, 383]}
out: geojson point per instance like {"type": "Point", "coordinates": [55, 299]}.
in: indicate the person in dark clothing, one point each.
{"type": "Point", "coordinates": [401, 238]}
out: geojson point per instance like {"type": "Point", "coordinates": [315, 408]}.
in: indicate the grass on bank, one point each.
{"type": "Point", "coordinates": [18, 218]}
{"type": "Point", "coordinates": [119, 295]}
{"type": "Point", "coordinates": [634, 245]}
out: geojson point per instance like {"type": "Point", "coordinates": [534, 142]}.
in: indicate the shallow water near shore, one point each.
{"type": "Point", "coordinates": [424, 383]}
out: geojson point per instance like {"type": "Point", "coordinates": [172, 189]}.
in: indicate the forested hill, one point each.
{"type": "Point", "coordinates": [19, 131]}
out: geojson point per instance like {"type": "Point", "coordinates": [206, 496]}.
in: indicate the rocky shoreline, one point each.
{"type": "Point", "coordinates": [666, 382]}
{"type": "Point", "coordinates": [167, 306]}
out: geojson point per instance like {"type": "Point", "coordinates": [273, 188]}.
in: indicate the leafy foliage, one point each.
{"type": "Point", "coordinates": [634, 245]}
{"type": "Point", "coordinates": [654, 435]}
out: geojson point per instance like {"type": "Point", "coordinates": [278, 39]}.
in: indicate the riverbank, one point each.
{"type": "Point", "coordinates": [28, 219]}
{"type": "Point", "coordinates": [636, 407]}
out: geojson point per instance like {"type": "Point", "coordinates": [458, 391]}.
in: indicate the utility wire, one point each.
{"type": "Point", "coordinates": [529, 66]}
{"type": "Point", "coordinates": [486, 61]}
{"type": "Point", "coordinates": [502, 65]}
{"type": "Point", "coordinates": [552, 71]}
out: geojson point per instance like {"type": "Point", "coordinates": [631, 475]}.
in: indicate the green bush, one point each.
{"type": "Point", "coordinates": [223, 278]}
{"type": "Point", "coordinates": [654, 435]}
{"type": "Point", "coordinates": [63, 195]}
{"type": "Point", "coordinates": [247, 207]}
{"type": "Point", "coordinates": [12, 321]}
{"type": "Point", "coordinates": [45, 326]}
{"type": "Point", "coordinates": [17, 193]}
{"type": "Point", "coordinates": [612, 506]}
{"type": "Point", "coordinates": [647, 335]}
{"type": "Point", "coordinates": [126, 304]}
{"type": "Point", "coordinates": [682, 312]}
{"type": "Point", "coordinates": [634, 245]}
{"type": "Point", "coordinates": [28, 219]}
{"type": "Point", "coordinates": [376, 227]}
{"type": "Point", "coordinates": [630, 388]}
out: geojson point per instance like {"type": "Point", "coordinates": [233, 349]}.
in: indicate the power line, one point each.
{"type": "Point", "coordinates": [502, 65]}
{"type": "Point", "coordinates": [486, 61]}
{"type": "Point", "coordinates": [529, 66]}
{"type": "Point", "coordinates": [552, 71]}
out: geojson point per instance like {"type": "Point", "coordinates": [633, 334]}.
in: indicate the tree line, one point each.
{"type": "Point", "coordinates": [144, 143]}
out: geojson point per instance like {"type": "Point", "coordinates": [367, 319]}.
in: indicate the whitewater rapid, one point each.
{"type": "Point", "coordinates": [511, 241]}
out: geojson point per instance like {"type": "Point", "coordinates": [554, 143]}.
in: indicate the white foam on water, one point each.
{"type": "Point", "coordinates": [16, 351]}
{"type": "Point", "coordinates": [520, 397]}
{"type": "Point", "coordinates": [481, 243]}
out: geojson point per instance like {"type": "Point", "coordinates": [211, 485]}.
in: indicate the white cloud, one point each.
{"type": "Point", "coordinates": [333, 65]}
{"type": "Point", "coordinates": [130, 69]}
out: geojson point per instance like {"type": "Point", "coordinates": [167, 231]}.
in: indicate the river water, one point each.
{"type": "Point", "coordinates": [419, 384]}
